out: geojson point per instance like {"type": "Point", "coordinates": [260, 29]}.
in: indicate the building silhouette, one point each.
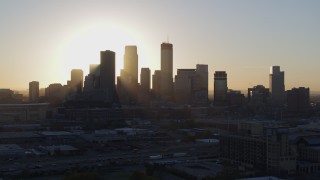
{"type": "Point", "coordinates": [107, 75]}
{"type": "Point", "coordinates": [34, 91]}
{"type": "Point", "coordinates": [258, 97]}
{"type": "Point", "coordinates": [201, 91]}
{"type": "Point", "coordinates": [76, 81]}
{"type": "Point", "coordinates": [298, 100]}
{"type": "Point", "coordinates": [166, 83]}
{"type": "Point", "coordinates": [131, 63]}
{"type": "Point", "coordinates": [8, 96]}
{"type": "Point", "coordinates": [276, 86]}
{"type": "Point", "coordinates": [95, 72]}
{"type": "Point", "coordinates": [220, 87]}
{"type": "Point", "coordinates": [145, 80]}
{"type": "Point", "coordinates": [184, 85]}
{"type": "Point", "coordinates": [156, 79]}
{"type": "Point", "coordinates": [235, 98]}
{"type": "Point", "coordinates": [144, 90]}
{"type": "Point", "coordinates": [127, 83]}
{"type": "Point", "coordinates": [191, 86]}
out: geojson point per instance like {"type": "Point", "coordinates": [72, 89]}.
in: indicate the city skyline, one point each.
{"type": "Point", "coordinates": [198, 31]}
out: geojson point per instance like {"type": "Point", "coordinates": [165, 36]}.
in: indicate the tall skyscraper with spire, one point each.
{"type": "Point", "coordinates": [166, 83]}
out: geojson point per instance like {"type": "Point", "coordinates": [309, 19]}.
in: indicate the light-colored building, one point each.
{"type": "Point", "coordinates": [76, 80]}
{"type": "Point", "coordinates": [127, 82]}
{"type": "Point", "coordinates": [131, 62]}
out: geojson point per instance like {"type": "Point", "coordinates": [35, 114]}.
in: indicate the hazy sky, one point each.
{"type": "Point", "coordinates": [43, 40]}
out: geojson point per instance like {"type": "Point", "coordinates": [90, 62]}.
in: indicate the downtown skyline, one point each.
{"type": "Point", "coordinates": [201, 33]}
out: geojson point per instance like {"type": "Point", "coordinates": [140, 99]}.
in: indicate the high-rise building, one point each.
{"type": "Point", "coordinates": [145, 80]}
{"type": "Point", "coordinates": [220, 87]}
{"type": "Point", "coordinates": [131, 63]}
{"type": "Point", "coordinates": [56, 92]}
{"type": "Point", "coordinates": [107, 74]}
{"type": "Point", "coordinates": [88, 83]}
{"type": "Point", "coordinates": [127, 84]}
{"type": "Point", "coordinates": [201, 94]}
{"type": "Point", "coordinates": [258, 96]}
{"type": "Point", "coordinates": [235, 98]}
{"type": "Point", "coordinates": [298, 100]}
{"type": "Point", "coordinates": [166, 87]}
{"type": "Point", "coordinates": [76, 80]}
{"type": "Point", "coordinates": [144, 91]}
{"type": "Point", "coordinates": [191, 86]}
{"type": "Point", "coordinates": [156, 78]}
{"type": "Point", "coordinates": [94, 71]}
{"type": "Point", "coordinates": [34, 91]}
{"type": "Point", "coordinates": [184, 85]}
{"type": "Point", "coordinates": [276, 82]}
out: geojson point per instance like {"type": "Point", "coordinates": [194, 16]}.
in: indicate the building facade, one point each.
{"type": "Point", "coordinates": [166, 87]}
{"type": "Point", "coordinates": [276, 86]}
{"type": "Point", "coordinates": [34, 91]}
{"type": "Point", "coordinates": [298, 100]}
{"type": "Point", "coordinates": [156, 79]}
{"type": "Point", "coordinates": [76, 81]}
{"type": "Point", "coordinates": [107, 74]}
{"type": "Point", "coordinates": [220, 87]}
{"type": "Point", "coordinates": [127, 83]}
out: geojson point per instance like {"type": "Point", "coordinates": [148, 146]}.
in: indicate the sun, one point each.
{"type": "Point", "coordinates": [85, 46]}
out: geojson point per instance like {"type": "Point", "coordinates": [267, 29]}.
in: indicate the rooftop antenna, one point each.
{"type": "Point", "coordinates": [167, 38]}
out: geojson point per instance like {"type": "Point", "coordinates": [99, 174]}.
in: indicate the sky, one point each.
{"type": "Point", "coordinates": [42, 40]}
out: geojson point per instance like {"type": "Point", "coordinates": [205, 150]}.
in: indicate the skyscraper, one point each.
{"type": "Point", "coordinates": [201, 93]}
{"type": "Point", "coordinates": [184, 85]}
{"type": "Point", "coordinates": [144, 92]}
{"type": "Point", "coordinates": [166, 87]}
{"type": "Point", "coordinates": [107, 74]}
{"type": "Point", "coordinates": [127, 82]}
{"type": "Point", "coordinates": [156, 78]}
{"type": "Point", "coordinates": [276, 82]}
{"type": "Point", "coordinates": [33, 91]}
{"type": "Point", "coordinates": [191, 86]}
{"type": "Point", "coordinates": [76, 80]}
{"type": "Point", "coordinates": [94, 71]}
{"type": "Point", "coordinates": [131, 63]}
{"type": "Point", "coordinates": [298, 100]}
{"type": "Point", "coordinates": [220, 87]}
{"type": "Point", "coordinates": [145, 80]}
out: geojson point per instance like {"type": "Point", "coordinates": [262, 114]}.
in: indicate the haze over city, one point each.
{"type": "Point", "coordinates": [44, 40]}
{"type": "Point", "coordinates": [158, 90]}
